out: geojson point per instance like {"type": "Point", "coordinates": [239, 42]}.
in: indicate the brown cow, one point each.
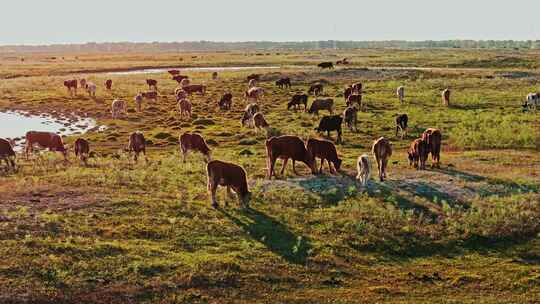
{"type": "Point", "coordinates": [71, 86]}
{"type": "Point", "coordinates": [194, 88]}
{"type": "Point", "coordinates": [7, 153]}
{"type": "Point", "coordinates": [137, 144]}
{"type": "Point", "coordinates": [83, 82]}
{"type": "Point", "coordinates": [382, 150]}
{"type": "Point", "coordinates": [184, 106]}
{"type": "Point", "coordinates": [325, 150]}
{"type": "Point", "coordinates": [316, 89]}
{"type": "Point", "coordinates": [108, 84]}
{"type": "Point", "coordinates": [195, 142]}
{"type": "Point", "coordinates": [418, 153]}
{"type": "Point", "coordinates": [259, 121]}
{"type": "Point", "coordinates": [229, 175]}
{"type": "Point", "coordinates": [354, 99]}
{"type": "Point", "coordinates": [152, 83]}
{"type": "Point", "coordinates": [214, 76]}
{"type": "Point", "coordinates": [225, 102]}
{"type": "Point", "coordinates": [285, 147]}
{"type": "Point", "coordinates": [82, 149]}
{"type": "Point", "coordinates": [47, 140]}
{"type": "Point", "coordinates": [446, 97]}
{"type": "Point", "coordinates": [173, 72]}
{"type": "Point", "coordinates": [322, 104]}
{"type": "Point", "coordinates": [179, 78]}
{"type": "Point", "coordinates": [357, 88]}
{"type": "Point", "coordinates": [117, 106]}
{"type": "Point", "coordinates": [347, 92]}
{"type": "Point", "coordinates": [433, 138]}
{"type": "Point", "coordinates": [180, 94]}
{"type": "Point", "coordinates": [297, 100]}
{"type": "Point", "coordinates": [284, 82]}
{"type": "Point", "coordinates": [149, 95]}
{"type": "Point", "coordinates": [253, 94]}
{"type": "Point", "coordinates": [350, 115]}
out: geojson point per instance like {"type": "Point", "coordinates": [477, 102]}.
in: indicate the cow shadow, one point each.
{"type": "Point", "coordinates": [276, 236]}
{"type": "Point", "coordinates": [432, 194]}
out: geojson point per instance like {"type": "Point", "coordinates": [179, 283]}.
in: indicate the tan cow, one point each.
{"type": "Point", "coordinates": [382, 150]}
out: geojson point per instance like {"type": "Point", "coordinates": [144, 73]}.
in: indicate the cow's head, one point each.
{"type": "Point", "coordinates": [245, 199]}
{"type": "Point", "coordinates": [337, 164]}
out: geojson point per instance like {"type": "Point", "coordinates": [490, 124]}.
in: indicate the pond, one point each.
{"type": "Point", "coordinates": [193, 69]}
{"type": "Point", "coordinates": [14, 125]}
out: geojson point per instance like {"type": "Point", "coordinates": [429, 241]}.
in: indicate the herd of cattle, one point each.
{"type": "Point", "coordinates": [284, 147]}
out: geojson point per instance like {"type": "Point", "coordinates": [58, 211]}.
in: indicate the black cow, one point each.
{"type": "Point", "coordinates": [297, 100]}
{"type": "Point", "coordinates": [326, 65]}
{"type": "Point", "coordinates": [331, 123]}
{"type": "Point", "coordinates": [284, 82]}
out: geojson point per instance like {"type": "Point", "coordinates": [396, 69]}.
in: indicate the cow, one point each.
{"type": "Point", "coordinates": [193, 142]}
{"type": "Point", "coordinates": [354, 99]}
{"type": "Point", "coordinates": [71, 86]}
{"type": "Point", "coordinates": [7, 153]}
{"type": "Point", "coordinates": [138, 101]}
{"type": "Point", "coordinates": [117, 106]}
{"type": "Point", "coordinates": [179, 78]}
{"type": "Point", "coordinates": [194, 88]}
{"type": "Point", "coordinates": [149, 95]}
{"type": "Point", "coordinates": [322, 104]}
{"type": "Point", "coordinates": [185, 82]}
{"type": "Point", "coordinates": [433, 138]}
{"type": "Point", "coordinates": [357, 88]}
{"type": "Point", "coordinates": [285, 147]}
{"type": "Point", "coordinates": [250, 111]}
{"type": "Point", "coordinates": [325, 150]}
{"type": "Point", "coordinates": [253, 94]}
{"type": "Point", "coordinates": [184, 106]}
{"type": "Point", "coordinates": [108, 84]}
{"type": "Point", "coordinates": [446, 97]}
{"type": "Point", "coordinates": [137, 144]}
{"type": "Point", "coordinates": [225, 102]}
{"type": "Point", "coordinates": [179, 93]}
{"type": "Point", "coordinates": [214, 76]}
{"type": "Point", "coordinates": [46, 140]}
{"type": "Point", "coordinates": [173, 72]}
{"type": "Point", "coordinates": [532, 101]}
{"type": "Point", "coordinates": [363, 169]}
{"type": "Point", "coordinates": [259, 121]}
{"type": "Point", "coordinates": [402, 121]}
{"type": "Point", "coordinates": [252, 83]}
{"type": "Point", "coordinates": [382, 151]}
{"type": "Point", "coordinates": [418, 153]}
{"type": "Point", "coordinates": [228, 175]}
{"type": "Point", "coordinates": [347, 92]}
{"type": "Point", "coordinates": [297, 100]}
{"type": "Point", "coordinates": [350, 116]}
{"type": "Point", "coordinates": [256, 77]}
{"type": "Point", "coordinates": [316, 89]}
{"type": "Point", "coordinates": [82, 149]}
{"type": "Point", "coordinates": [326, 65]}
{"type": "Point", "coordinates": [331, 123]}
{"type": "Point", "coordinates": [152, 83]}
{"type": "Point", "coordinates": [83, 82]}
{"type": "Point", "coordinates": [284, 82]}
{"type": "Point", "coordinates": [400, 93]}
{"type": "Point", "coordinates": [91, 88]}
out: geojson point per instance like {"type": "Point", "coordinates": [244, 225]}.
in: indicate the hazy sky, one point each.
{"type": "Point", "coordinates": [74, 21]}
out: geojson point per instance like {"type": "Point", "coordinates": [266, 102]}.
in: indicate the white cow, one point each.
{"type": "Point", "coordinates": [118, 106]}
{"type": "Point", "coordinates": [91, 88]}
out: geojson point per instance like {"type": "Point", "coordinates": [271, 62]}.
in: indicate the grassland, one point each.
{"type": "Point", "coordinates": [119, 232]}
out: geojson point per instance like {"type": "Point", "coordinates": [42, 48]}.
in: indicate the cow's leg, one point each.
{"type": "Point", "coordinates": [184, 153]}
{"type": "Point", "coordinates": [229, 194]}
{"type": "Point", "coordinates": [322, 163]}
{"type": "Point", "coordinates": [385, 164]}
{"type": "Point", "coordinates": [285, 160]}
{"type": "Point", "coordinates": [213, 190]}
{"type": "Point", "coordinates": [271, 164]}
{"type": "Point", "coordinates": [136, 156]}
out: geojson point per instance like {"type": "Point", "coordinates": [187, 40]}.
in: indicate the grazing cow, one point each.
{"type": "Point", "coordinates": [185, 82]}
{"type": "Point", "coordinates": [173, 72]}
{"type": "Point", "coordinates": [382, 150]}
{"type": "Point", "coordinates": [138, 101]}
{"type": "Point", "coordinates": [296, 100]}
{"type": "Point", "coordinates": [322, 104]}
{"type": "Point", "coordinates": [152, 83]}
{"type": "Point", "coordinates": [137, 144]}
{"type": "Point", "coordinates": [253, 94]}
{"type": "Point", "coordinates": [325, 150]}
{"type": "Point", "coordinates": [331, 123]}
{"type": "Point", "coordinates": [71, 86]}
{"type": "Point", "coordinates": [255, 77]}
{"type": "Point", "coordinates": [400, 92]}
{"type": "Point", "coordinates": [214, 76]}
{"type": "Point", "coordinates": [347, 92]}
{"type": "Point", "coordinates": [117, 106]}
{"type": "Point", "coordinates": [326, 65]}
{"type": "Point", "coordinates": [184, 106]}
{"type": "Point", "coordinates": [316, 89]}
{"type": "Point", "coordinates": [351, 118]}
{"type": "Point", "coordinates": [285, 147]}
{"type": "Point", "coordinates": [82, 149]}
{"type": "Point", "coordinates": [532, 101]}
{"type": "Point", "coordinates": [194, 88]}
{"type": "Point", "coordinates": [259, 121]}
{"type": "Point", "coordinates": [402, 121]}
{"type": "Point", "coordinates": [6, 153]}
{"type": "Point", "coordinates": [446, 97]}
{"type": "Point", "coordinates": [108, 84]}
{"type": "Point", "coordinates": [194, 142]}
{"type": "Point", "coordinates": [284, 82]}
{"type": "Point", "coordinates": [228, 175]}
{"type": "Point", "coordinates": [225, 102]}
{"type": "Point", "coordinates": [83, 82]}
{"type": "Point", "coordinates": [149, 95]}
{"type": "Point", "coordinates": [91, 88]}
{"type": "Point", "coordinates": [357, 88]}
{"type": "Point", "coordinates": [249, 112]}
{"type": "Point", "coordinates": [433, 138]}
{"type": "Point", "coordinates": [354, 99]}
{"type": "Point", "coordinates": [180, 78]}
{"type": "Point", "coordinates": [418, 153]}
{"type": "Point", "coordinates": [46, 140]}
{"type": "Point", "coordinates": [363, 169]}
